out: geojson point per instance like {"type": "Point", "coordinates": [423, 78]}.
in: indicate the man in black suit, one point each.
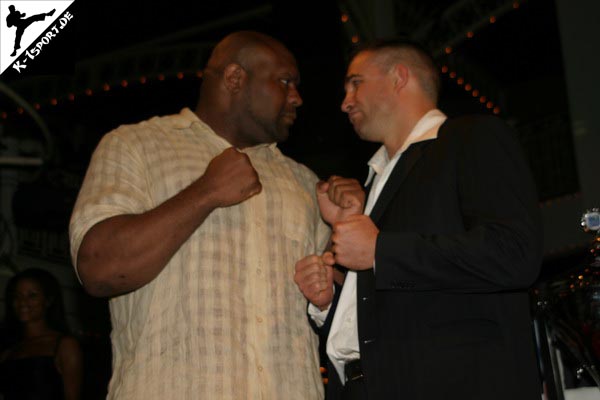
{"type": "Point", "coordinates": [435, 304]}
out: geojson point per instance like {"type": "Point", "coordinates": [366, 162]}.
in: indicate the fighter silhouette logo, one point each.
{"type": "Point", "coordinates": [18, 20]}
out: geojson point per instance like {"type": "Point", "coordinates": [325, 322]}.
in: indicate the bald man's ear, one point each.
{"type": "Point", "coordinates": [401, 74]}
{"type": "Point", "coordinates": [233, 76]}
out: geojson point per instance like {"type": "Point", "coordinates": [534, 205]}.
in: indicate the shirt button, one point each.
{"type": "Point", "coordinates": [259, 320]}
{"type": "Point", "coordinates": [260, 368]}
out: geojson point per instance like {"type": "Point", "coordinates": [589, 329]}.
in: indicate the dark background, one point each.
{"type": "Point", "coordinates": [88, 81]}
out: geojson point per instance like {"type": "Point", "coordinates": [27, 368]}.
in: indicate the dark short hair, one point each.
{"type": "Point", "coordinates": [55, 317]}
{"type": "Point", "coordinates": [401, 50]}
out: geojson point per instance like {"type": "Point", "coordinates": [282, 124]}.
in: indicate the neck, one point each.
{"type": "Point", "coordinates": [403, 127]}
{"type": "Point", "coordinates": [221, 123]}
{"type": "Point", "coordinates": [36, 328]}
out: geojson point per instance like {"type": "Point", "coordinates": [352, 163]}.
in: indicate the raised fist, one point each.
{"type": "Point", "coordinates": [231, 178]}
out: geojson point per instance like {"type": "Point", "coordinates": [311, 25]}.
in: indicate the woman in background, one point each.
{"type": "Point", "coordinates": [43, 362]}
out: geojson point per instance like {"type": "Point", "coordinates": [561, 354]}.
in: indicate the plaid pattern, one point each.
{"type": "Point", "coordinates": [224, 319]}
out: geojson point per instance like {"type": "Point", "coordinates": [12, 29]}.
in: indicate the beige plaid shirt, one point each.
{"type": "Point", "coordinates": [224, 319]}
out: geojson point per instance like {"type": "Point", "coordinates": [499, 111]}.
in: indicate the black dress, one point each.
{"type": "Point", "coordinates": [31, 378]}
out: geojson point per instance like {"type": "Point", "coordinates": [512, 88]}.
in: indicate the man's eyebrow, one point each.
{"type": "Point", "coordinates": [350, 77]}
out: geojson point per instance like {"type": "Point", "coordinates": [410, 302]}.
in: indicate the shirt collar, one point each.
{"type": "Point", "coordinates": [426, 128]}
{"type": "Point", "coordinates": [187, 119]}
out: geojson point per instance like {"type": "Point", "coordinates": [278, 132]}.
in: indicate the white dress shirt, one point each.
{"type": "Point", "coordinates": [342, 343]}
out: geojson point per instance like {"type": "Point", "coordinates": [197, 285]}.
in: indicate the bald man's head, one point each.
{"type": "Point", "coordinates": [244, 48]}
{"type": "Point", "coordinates": [251, 82]}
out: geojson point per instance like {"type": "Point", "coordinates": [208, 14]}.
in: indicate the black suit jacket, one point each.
{"type": "Point", "coordinates": [446, 313]}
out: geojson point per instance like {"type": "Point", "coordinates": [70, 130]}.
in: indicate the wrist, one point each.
{"type": "Point", "coordinates": [207, 193]}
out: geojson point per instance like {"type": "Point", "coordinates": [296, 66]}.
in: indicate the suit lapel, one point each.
{"type": "Point", "coordinates": [401, 170]}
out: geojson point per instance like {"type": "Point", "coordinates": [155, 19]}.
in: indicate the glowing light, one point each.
{"type": "Point", "coordinates": [345, 18]}
{"type": "Point", "coordinates": [452, 74]}
{"type": "Point", "coordinates": [54, 102]}
{"type": "Point", "coordinates": [180, 75]}
{"type": "Point", "coordinates": [482, 99]}
{"type": "Point", "coordinates": [468, 87]}
{"type": "Point", "coordinates": [161, 77]}
{"type": "Point", "coordinates": [475, 93]}
{"type": "Point", "coordinates": [470, 34]}
{"type": "Point", "coordinates": [124, 83]}
{"type": "Point", "coordinates": [88, 92]}
{"type": "Point", "coordinates": [355, 39]}
{"type": "Point", "coordinates": [106, 87]}
{"type": "Point", "coordinates": [199, 74]}
{"type": "Point", "coordinates": [71, 96]}
{"type": "Point", "coordinates": [489, 104]}
{"type": "Point", "coordinates": [448, 50]}
{"type": "Point", "coordinates": [496, 110]}
{"type": "Point", "coordinates": [143, 79]}
{"type": "Point", "coordinates": [460, 81]}
{"type": "Point", "coordinates": [444, 69]}
{"type": "Point", "coordinates": [492, 19]}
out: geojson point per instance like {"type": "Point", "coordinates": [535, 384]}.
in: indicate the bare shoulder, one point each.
{"type": "Point", "coordinates": [68, 344]}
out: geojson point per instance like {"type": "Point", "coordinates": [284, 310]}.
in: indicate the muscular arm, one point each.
{"type": "Point", "coordinates": [125, 252]}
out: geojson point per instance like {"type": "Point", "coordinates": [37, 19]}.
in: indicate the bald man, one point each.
{"type": "Point", "coordinates": [192, 224]}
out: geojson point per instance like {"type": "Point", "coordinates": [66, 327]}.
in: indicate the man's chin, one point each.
{"type": "Point", "coordinates": [282, 134]}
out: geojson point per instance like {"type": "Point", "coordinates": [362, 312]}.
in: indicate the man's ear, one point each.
{"type": "Point", "coordinates": [233, 76]}
{"type": "Point", "coordinates": [401, 75]}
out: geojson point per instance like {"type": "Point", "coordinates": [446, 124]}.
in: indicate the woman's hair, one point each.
{"type": "Point", "coordinates": [55, 316]}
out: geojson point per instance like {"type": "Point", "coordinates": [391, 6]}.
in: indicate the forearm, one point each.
{"type": "Point", "coordinates": [125, 252]}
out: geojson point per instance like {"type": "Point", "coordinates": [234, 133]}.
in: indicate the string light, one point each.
{"type": "Point", "coordinates": [345, 18]}
{"type": "Point", "coordinates": [475, 93]}
{"type": "Point", "coordinates": [355, 39]}
{"type": "Point", "coordinates": [89, 92]}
